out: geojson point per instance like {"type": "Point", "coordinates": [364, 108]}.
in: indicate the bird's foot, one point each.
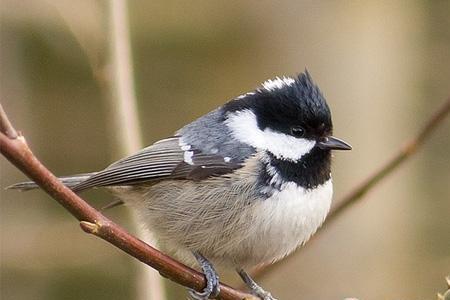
{"type": "Point", "coordinates": [212, 287]}
{"type": "Point", "coordinates": [255, 289]}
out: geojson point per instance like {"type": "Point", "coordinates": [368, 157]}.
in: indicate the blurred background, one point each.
{"type": "Point", "coordinates": [384, 67]}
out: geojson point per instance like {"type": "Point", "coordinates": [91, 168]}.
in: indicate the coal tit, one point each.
{"type": "Point", "coordinates": [243, 185]}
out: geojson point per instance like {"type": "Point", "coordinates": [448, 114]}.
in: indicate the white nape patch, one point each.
{"type": "Point", "coordinates": [226, 159]}
{"type": "Point", "coordinates": [277, 83]}
{"type": "Point", "coordinates": [244, 127]}
{"type": "Point", "coordinates": [291, 216]}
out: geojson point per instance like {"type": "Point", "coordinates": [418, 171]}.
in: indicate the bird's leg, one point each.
{"type": "Point", "coordinates": [212, 287]}
{"type": "Point", "coordinates": [255, 289]}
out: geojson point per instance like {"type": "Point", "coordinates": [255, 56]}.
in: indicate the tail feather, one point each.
{"type": "Point", "coordinates": [69, 181]}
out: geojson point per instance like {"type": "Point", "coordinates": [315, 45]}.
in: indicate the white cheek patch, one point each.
{"type": "Point", "coordinates": [286, 146]}
{"type": "Point", "coordinates": [244, 127]}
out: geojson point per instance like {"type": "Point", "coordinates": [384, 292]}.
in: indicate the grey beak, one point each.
{"type": "Point", "coordinates": [332, 143]}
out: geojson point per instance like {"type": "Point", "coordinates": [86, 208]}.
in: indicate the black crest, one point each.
{"type": "Point", "coordinates": [286, 102]}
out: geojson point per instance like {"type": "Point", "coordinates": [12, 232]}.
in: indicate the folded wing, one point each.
{"type": "Point", "coordinates": [166, 159]}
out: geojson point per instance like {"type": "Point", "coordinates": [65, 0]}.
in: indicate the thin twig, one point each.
{"type": "Point", "coordinates": [405, 152]}
{"type": "Point", "coordinates": [5, 125]}
{"type": "Point", "coordinates": [370, 182]}
{"type": "Point", "coordinates": [92, 221]}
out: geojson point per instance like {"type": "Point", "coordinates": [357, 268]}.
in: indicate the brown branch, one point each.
{"type": "Point", "coordinates": [15, 149]}
{"type": "Point", "coordinates": [370, 182]}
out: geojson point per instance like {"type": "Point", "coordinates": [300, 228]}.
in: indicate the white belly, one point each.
{"type": "Point", "coordinates": [286, 220]}
{"type": "Point", "coordinates": [227, 225]}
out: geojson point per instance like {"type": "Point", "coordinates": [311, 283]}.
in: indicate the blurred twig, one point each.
{"type": "Point", "coordinates": [356, 194]}
{"type": "Point", "coordinates": [126, 129]}
{"type": "Point", "coordinates": [92, 221]}
{"type": "Point", "coordinates": [123, 99]}
{"type": "Point", "coordinates": [111, 64]}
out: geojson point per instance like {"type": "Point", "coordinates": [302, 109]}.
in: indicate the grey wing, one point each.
{"type": "Point", "coordinates": [168, 158]}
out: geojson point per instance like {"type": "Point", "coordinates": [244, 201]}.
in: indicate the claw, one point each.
{"type": "Point", "coordinates": [255, 289]}
{"type": "Point", "coordinates": [212, 288]}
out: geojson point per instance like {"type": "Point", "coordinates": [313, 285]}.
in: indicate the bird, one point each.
{"type": "Point", "coordinates": [241, 186]}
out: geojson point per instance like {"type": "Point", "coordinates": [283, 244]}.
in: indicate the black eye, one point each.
{"type": "Point", "coordinates": [297, 131]}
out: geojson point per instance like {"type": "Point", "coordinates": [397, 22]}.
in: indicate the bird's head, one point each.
{"type": "Point", "coordinates": [287, 117]}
